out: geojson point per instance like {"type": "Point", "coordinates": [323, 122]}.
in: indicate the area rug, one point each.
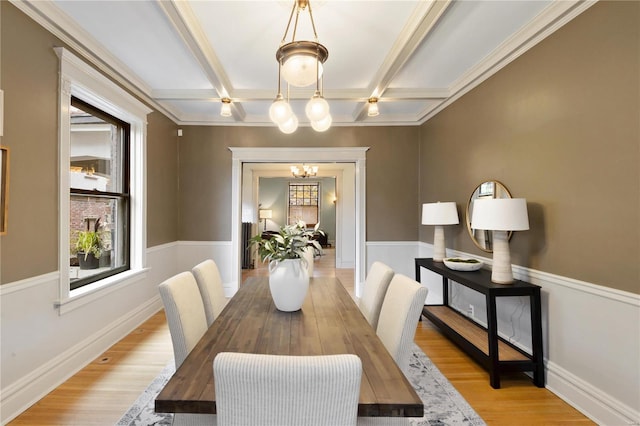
{"type": "Point", "coordinates": [443, 405]}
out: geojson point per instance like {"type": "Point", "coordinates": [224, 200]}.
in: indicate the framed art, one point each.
{"type": "Point", "coordinates": [4, 188]}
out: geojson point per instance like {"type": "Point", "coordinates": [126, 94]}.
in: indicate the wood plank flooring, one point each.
{"type": "Point", "coordinates": [101, 392]}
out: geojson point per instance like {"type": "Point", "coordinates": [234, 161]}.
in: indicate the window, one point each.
{"type": "Point", "coordinates": [303, 203]}
{"type": "Point", "coordinates": [99, 194]}
{"type": "Point", "coordinates": [102, 144]}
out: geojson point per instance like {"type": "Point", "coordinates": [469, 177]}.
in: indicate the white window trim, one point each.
{"type": "Point", "coordinates": [82, 81]}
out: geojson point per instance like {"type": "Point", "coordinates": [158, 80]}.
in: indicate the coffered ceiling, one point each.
{"type": "Point", "coordinates": [417, 56]}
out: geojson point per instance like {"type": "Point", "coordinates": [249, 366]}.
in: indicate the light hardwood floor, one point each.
{"type": "Point", "coordinates": [101, 392]}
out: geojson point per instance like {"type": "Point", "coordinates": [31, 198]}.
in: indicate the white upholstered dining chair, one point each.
{"type": "Point", "coordinates": [280, 390]}
{"type": "Point", "coordinates": [401, 309]}
{"type": "Point", "coordinates": [209, 281]}
{"type": "Point", "coordinates": [375, 287]}
{"type": "Point", "coordinates": [187, 323]}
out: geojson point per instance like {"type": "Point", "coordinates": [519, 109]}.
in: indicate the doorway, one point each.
{"type": "Point", "coordinates": [355, 155]}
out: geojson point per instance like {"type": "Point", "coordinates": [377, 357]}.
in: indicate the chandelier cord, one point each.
{"type": "Point", "coordinates": [317, 65]}
{"type": "Point", "coordinates": [284, 36]}
{"type": "Point", "coordinates": [279, 77]}
{"type": "Point", "coordinates": [313, 24]}
{"type": "Point", "coordinates": [296, 8]}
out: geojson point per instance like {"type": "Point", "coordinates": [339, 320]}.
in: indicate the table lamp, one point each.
{"type": "Point", "coordinates": [265, 214]}
{"type": "Point", "coordinates": [500, 215]}
{"type": "Point", "coordinates": [439, 214]}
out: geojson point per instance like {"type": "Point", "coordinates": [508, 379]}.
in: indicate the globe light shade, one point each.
{"type": "Point", "coordinates": [317, 108]}
{"type": "Point", "coordinates": [322, 125]}
{"type": "Point", "coordinates": [280, 110]}
{"type": "Point", "coordinates": [289, 126]}
{"type": "Point", "coordinates": [300, 70]}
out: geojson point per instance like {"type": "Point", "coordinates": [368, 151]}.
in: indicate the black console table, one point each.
{"type": "Point", "coordinates": [484, 345]}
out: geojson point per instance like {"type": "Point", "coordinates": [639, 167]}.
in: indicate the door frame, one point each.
{"type": "Point", "coordinates": [356, 155]}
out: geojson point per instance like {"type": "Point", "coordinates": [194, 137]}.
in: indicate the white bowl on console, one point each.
{"type": "Point", "coordinates": [462, 264]}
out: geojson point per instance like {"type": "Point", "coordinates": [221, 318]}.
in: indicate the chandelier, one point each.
{"type": "Point", "coordinates": [300, 64]}
{"type": "Point", "coordinates": [307, 171]}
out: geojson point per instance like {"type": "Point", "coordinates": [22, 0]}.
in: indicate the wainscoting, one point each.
{"type": "Point", "coordinates": [591, 333]}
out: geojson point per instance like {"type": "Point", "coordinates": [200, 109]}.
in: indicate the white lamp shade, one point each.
{"type": "Point", "coordinates": [300, 70]}
{"type": "Point", "coordinates": [289, 126]}
{"type": "Point", "coordinates": [225, 109]}
{"type": "Point", "coordinates": [500, 214]}
{"type": "Point", "coordinates": [373, 109]}
{"type": "Point", "coordinates": [440, 214]}
{"type": "Point", "coordinates": [322, 125]}
{"type": "Point", "coordinates": [317, 108]}
{"type": "Point", "coordinates": [280, 111]}
{"type": "Point", "coordinates": [265, 214]}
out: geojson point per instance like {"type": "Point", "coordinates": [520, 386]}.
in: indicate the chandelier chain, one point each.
{"type": "Point", "coordinates": [286, 31]}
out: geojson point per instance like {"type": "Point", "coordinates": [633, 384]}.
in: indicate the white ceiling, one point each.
{"type": "Point", "coordinates": [183, 56]}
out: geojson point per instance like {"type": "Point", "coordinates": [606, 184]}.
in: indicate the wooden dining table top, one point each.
{"type": "Point", "coordinates": [329, 323]}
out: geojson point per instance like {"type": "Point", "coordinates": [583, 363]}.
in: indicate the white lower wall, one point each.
{"type": "Point", "coordinates": [41, 348]}
{"type": "Point", "coordinates": [591, 338]}
{"type": "Point", "coordinates": [591, 332]}
{"type": "Point", "coordinates": [191, 253]}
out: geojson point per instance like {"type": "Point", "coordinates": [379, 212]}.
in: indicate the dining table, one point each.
{"type": "Point", "coordinates": [329, 322]}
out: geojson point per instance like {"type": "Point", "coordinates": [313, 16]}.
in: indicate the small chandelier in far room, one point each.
{"type": "Point", "coordinates": [300, 64]}
{"type": "Point", "coordinates": [307, 171]}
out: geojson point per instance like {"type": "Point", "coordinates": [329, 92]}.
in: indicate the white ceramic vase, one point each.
{"type": "Point", "coordinates": [289, 283]}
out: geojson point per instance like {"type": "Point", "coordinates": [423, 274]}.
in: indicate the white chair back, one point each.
{"type": "Point", "coordinates": [277, 390]}
{"type": "Point", "coordinates": [209, 281]}
{"type": "Point", "coordinates": [185, 313]}
{"type": "Point", "coordinates": [401, 309]}
{"type": "Point", "coordinates": [375, 287]}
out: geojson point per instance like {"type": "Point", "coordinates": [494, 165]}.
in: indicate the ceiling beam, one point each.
{"type": "Point", "coordinates": [422, 21]}
{"type": "Point", "coordinates": [186, 24]}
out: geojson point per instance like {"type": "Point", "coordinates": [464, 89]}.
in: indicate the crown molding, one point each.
{"type": "Point", "coordinates": [552, 18]}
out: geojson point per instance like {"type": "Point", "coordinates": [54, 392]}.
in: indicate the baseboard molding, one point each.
{"type": "Point", "coordinates": [590, 400]}
{"type": "Point", "coordinates": [20, 395]}
{"type": "Point", "coordinates": [587, 399]}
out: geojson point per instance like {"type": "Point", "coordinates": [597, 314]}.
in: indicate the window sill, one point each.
{"type": "Point", "coordinates": [92, 292]}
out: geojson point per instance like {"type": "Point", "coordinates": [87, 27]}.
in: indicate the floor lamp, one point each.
{"type": "Point", "coordinates": [265, 214]}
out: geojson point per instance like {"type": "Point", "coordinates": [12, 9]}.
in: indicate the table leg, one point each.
{"type": "Point", "coordinates": [536, 337]}
{"type": "Point", "coordinates": [492, 336]}
{"type": "Point", "coordinates": [445, 291]}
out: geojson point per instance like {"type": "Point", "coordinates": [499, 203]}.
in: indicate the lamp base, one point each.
{"type": "Point", "coordinates": [501, 272]}
{"type": "Point", "coordinates": [439, 250]}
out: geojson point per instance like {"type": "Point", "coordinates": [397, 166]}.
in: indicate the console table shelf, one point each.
{"type": "Point", "coordinates": [484, 345]}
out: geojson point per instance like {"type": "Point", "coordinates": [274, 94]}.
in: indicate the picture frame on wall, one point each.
{"type": "Point", "coordinates": [4, 188]}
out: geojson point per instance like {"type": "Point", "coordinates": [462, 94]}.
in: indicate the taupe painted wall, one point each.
{"type": "Point", "coordinates": [560, 126]}
{"type": "Point", "coordinates": [392, 175]}
{"type": "Point", "coordinates": [29, 78]}
{"type": "Point", "coordinates": [162, 180]}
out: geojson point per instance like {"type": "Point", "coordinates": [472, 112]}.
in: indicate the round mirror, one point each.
{"type": "Point", "coordinates": [490, 189]}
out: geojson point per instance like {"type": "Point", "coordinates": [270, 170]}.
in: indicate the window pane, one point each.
{"type": "Point", "coordinates": [97, 242]}
{"type": "Point", "coordinates": [303, 203]}
{"type": "Point", "coordinates": [98, 222]}
{"type": "Point", "coordinates": [95, 152]}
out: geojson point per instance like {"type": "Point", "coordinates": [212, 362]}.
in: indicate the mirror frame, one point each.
{"type": "Point", "coordinates": [468, 216]}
